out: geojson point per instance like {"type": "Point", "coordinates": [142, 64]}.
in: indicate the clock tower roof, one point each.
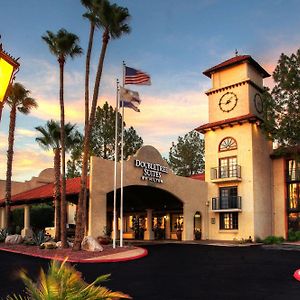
{"type": "Point", "coordinates": [236, 60]}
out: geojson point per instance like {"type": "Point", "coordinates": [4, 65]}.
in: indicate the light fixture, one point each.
{"type": "Point", "coordinates": [8, 68]}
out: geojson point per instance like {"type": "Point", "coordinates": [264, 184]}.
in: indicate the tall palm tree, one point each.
{"type": "Point", "coordinates": [92, 15]}
{"type": "Point", "coordinates": [50, 140]}
{"type": "Point", "coordinates": [62, 45]}
{"type": "Point", "coordinates": [112, 19]}
{"type": "Point", "coordinates": [18, 99]}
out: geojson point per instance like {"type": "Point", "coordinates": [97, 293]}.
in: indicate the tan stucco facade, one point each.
{"type": "Point", "coordinates": [254, 185]}
{"type": "Point", "coordinates": [192, 193]}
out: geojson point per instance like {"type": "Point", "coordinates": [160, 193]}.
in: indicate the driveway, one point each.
{"type": "Point", "coordinates": [180, 271]}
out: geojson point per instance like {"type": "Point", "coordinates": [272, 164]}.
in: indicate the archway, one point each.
{"type": "Point", "coordinates": [149, 212]}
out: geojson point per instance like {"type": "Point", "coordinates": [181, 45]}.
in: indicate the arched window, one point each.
{"type": "Point", "coordinates": [228, 143]}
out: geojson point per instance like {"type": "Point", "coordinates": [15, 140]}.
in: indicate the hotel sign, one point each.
{"type": "Point", "coordinates": [151, 171]}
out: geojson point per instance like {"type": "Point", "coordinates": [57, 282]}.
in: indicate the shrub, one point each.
{"type": "Point", "coordinates": [293, 236]}
{"type": "Point", "coordinates": [63, 282]}
{"type": "Point", "coordinates": [272, 239]}
{"type": "Point", "coordinates": [3, 234]}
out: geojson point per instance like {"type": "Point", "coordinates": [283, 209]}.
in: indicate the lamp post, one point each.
{"type": "Point", "coordinates": [9, 66]}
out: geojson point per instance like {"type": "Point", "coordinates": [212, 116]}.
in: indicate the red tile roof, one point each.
{"type": "Point", "coordinates": [45, 192]}
{"type": "Point", "coordinates": [200, 177]}
{"type": "Point", "coordinates": [239, 59]}
{"type": "Point", "coordinates": [228, 122]}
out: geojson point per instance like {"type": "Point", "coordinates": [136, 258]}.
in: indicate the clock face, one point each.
{"type": "Point", "coordinates": [258, 103]}
{"type": "Point", "coordinates": [228, 102]}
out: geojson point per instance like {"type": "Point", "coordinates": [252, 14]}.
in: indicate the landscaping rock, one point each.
{"type": "Point", "coordinates": [48, 245]}
{"type": "Point", "coordinates": [14, 239]}
{"type": "Point", "coordinates": [91, 244]}
{"type": "Point", "coordinates": [58, 244]}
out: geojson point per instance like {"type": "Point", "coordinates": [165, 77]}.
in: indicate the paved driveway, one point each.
{"type": "Point", "coordinates": [177, 271]}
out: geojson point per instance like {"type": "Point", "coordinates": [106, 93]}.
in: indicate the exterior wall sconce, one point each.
{"type": "Point", "coordinates": [9, 66]}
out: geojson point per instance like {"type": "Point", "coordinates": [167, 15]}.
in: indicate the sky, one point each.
{"type": "Point", "coordinates": [172, 40]}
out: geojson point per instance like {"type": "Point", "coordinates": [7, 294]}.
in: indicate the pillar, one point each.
{"type": "Point", "coordinates": [188, 223]}
{"type": "Point", "coordinates": [26, 230]}
{"type": "Point", "coordinates": [3, 217]}
{"type": "Point", "coordinates": [149, 234]}
{"type": "Point", "coordinates": [168, 226]}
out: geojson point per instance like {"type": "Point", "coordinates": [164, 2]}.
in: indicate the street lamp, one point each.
{"type": "Point", "coordinates": [8, 68]}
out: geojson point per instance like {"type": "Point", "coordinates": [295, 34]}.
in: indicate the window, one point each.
{"type": "Point", "coordinates": [229, 221]}
{"type": "Point", "coordinates": [228, 167]}
{"type": "Point", "coordinates": [228, 197]}
{"type": "Point", "coordinates": [227, 144]}
{"type": "Point", "coordinates": [294, 195]}
{"type": "Point", "coordinates": [293, 170]}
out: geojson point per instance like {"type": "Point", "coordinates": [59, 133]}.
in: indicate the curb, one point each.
{"type": "Point", "coordinates": [89, 261]}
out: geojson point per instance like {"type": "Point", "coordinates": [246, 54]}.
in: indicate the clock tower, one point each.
{"type": "Point", "coordinates": [237, 154]}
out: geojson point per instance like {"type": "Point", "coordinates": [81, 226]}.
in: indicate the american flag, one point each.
{"type": "Point", "coordinates": [133, 76]}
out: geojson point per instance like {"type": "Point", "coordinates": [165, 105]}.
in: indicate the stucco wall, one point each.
{"type": "Point", "coordinates": [45, 176]}
{"type": "Point", "coordinates": [190, 191]}
{"type": "Point", "coordinates": [279, 198]}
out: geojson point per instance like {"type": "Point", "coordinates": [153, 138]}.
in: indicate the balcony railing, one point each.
{"type": "Point", "coordinates": [293, 174]}
{"type": "Point", "coordinates": [232, 172]}
{"type": "Point", "coordinates": [232, 203]}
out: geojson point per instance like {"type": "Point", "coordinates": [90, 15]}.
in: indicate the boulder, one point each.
{"type": "Point", "coordinates": [91, 244]}
{"type": "Point", "coordinates": [58, 244]}
{"type": "Point", "coordinates": [48, 245]}
{"type": "Point", "coordinates": [14, 239]}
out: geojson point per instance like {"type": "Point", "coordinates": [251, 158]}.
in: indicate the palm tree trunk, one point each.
{"type": "Point", "coordinates": [81, 210]}
{"type": "Point", "coordinates": [86, 125]}
{"type": "Point", "coordinates": [10, 154]}
{"type": "Point", "coordinates": [57, 193]}
{"type": "Point", "coordinates": [63, 209]}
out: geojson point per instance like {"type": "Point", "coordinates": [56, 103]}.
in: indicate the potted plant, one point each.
{"type": "Point", "coordinates": [198, 234]}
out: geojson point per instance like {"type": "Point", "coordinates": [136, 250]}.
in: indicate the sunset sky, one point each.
{"type": "Point", "coordinates": [174, 41]}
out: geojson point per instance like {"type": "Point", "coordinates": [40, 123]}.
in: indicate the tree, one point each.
{"type": "Point", "coordinates": [18, 99]}
{"type": "Point", "coordinates": [187, 156]}
{"type": "Point", "coordinates": [282, 104]}
{"type": "Point", "coordinates": [103, 139]}
{"type": "Point", "coordinates": [50, 139]}
{"type": "Point", "coordinates": [132, 142]}
{"type": "Point", "coordinates": [62, 45]}
{"type": "Point", "coordinates": [112, 19]}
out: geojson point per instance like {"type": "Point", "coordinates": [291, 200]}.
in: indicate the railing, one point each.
{"type": "Point", "coordinates": [227, 203]}
{"type": "Point", "coordinates": [232, 171]}
{"type": "Point", "coordinates": [293, 174]}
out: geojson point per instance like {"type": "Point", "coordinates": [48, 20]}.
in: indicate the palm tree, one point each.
{"type": "Point", "coordinates": [18, 99]}
{"type": "Point", "coordinates": [92, 14]}
{"type": "Point", "coordinates": [112, 19]}
{"type": "Point", "coordinates": [50, 140]}
{"type": "Point", "coordinates": [62, 45]}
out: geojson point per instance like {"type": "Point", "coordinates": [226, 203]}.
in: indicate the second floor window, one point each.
{"type": "Point", "coordinates": [228, 167]}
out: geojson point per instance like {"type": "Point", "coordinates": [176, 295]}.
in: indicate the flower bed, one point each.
{"type": "Point", "coordinates": [61, 254]}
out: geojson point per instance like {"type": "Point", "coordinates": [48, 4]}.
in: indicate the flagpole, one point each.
{"type": "Point", "coordinates": [122, 167]}
{"type": "Point", "coordinates": [115, 167]}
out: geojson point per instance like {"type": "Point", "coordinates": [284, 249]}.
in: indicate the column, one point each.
{"type": "Point", "coordinates": [168, 226]}
{"type": "Point", "coordinates": [26, 230]}
{"type": "Point", "coordinates": [3, 218]}
{"type": "Point", "coordinates": [149, 234]}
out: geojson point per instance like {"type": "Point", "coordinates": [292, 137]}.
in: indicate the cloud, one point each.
{"type": "Point", "coordinates": [22, 132]}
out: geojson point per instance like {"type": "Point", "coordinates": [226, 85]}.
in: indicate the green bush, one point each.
{"type": "Point", "coordinates": [272, 239]}
{"type": "Point", "coordinates": [293, 236]}
{"type": "Point", "coordinates": [3, 234]}
{"type": "Point", "coordinates": [41, 216]}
